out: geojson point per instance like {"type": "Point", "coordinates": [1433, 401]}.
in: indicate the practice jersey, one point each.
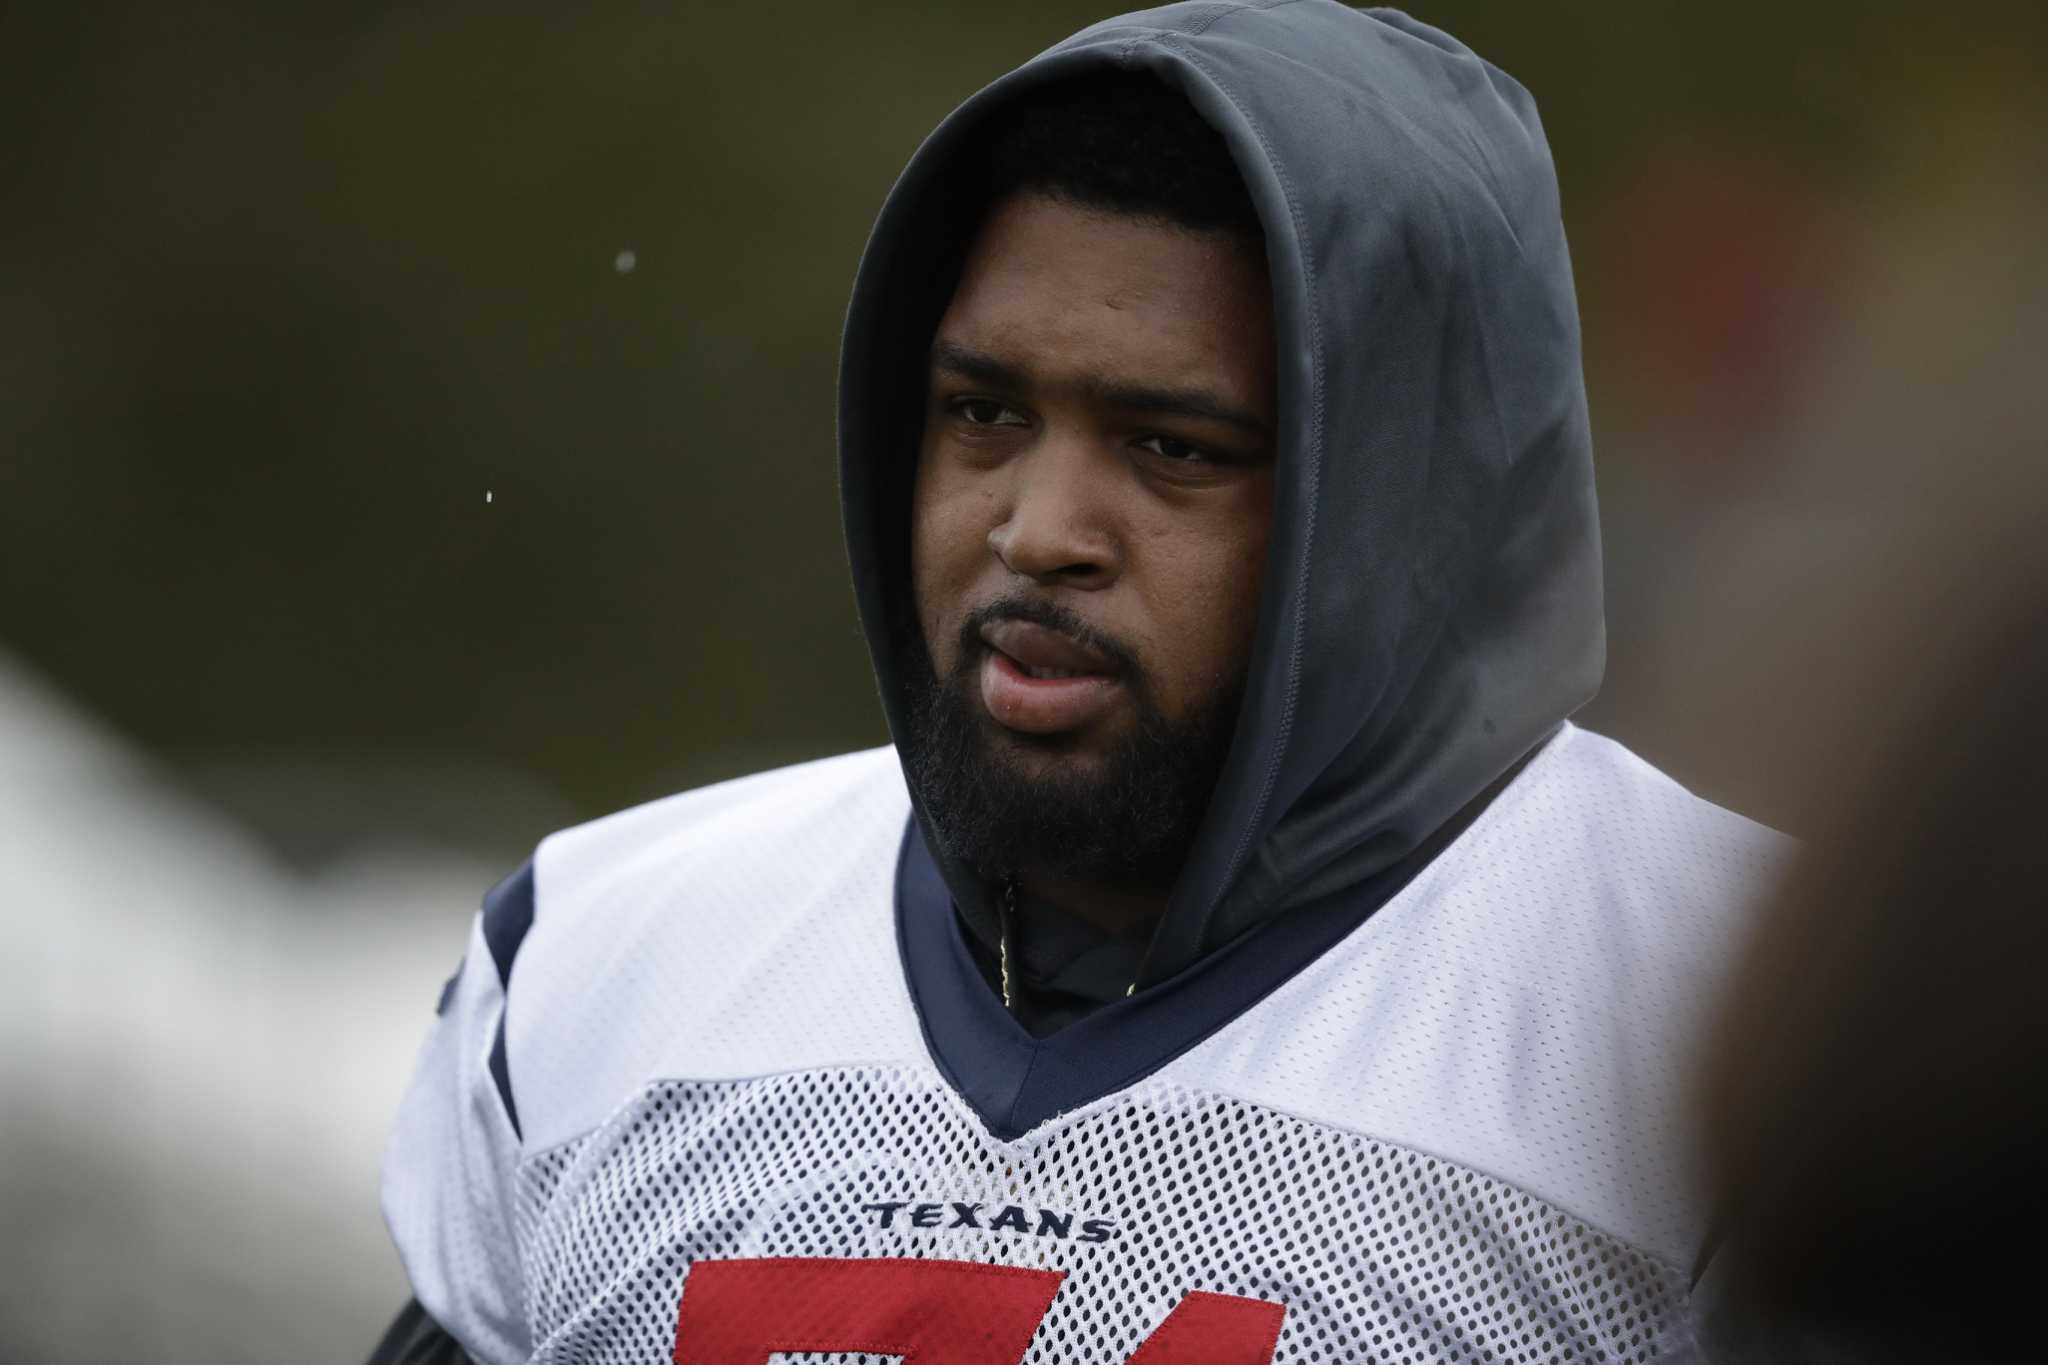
{"type": "Point", "coordinates": [689, 1099]}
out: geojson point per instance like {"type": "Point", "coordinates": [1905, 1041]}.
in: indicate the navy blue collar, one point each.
{"type": "Point", "coordinates": [1015, 1082]}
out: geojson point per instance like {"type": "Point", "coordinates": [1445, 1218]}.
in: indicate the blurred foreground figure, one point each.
{"type": "Point", "coordinates": [1238, 957]}
{"type": "Point", "coordinates": [1878, 1099]}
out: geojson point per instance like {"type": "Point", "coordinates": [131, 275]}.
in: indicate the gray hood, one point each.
{"type": "Point", "coordinates": [1431, 609]}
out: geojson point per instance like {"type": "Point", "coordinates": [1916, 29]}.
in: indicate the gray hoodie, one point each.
{"type": "Point", "coordinates": [1432, 603]}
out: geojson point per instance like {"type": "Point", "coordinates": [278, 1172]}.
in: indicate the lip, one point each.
{"type": "Point", "coordinates": [1043, 705]}
{"type": "Point", "coordinates": [1038, 648]}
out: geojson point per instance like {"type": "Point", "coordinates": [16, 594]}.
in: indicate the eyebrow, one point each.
{"type": "Point", "coordinates": [1189, 402]}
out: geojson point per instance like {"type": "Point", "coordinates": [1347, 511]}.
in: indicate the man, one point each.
{"type": "Point", "coordinates": [1239, 958]}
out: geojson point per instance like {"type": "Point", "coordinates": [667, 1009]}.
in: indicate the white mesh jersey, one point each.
{"type": "Point", "coordinates": [717, 1130]}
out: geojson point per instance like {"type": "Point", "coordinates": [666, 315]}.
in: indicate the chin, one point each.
{"type": "Point", "coordinates": [1065, 750]}
{"type": "Point", "coordinates": [1115, 801]}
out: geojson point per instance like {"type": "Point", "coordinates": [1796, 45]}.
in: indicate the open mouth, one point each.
{"type": "Point", "coordinates": [1042, 652]}
{"type": "Point", "coordinates": [1047, 673]}
{"type": "Point", "coordinates": [1037, 680]}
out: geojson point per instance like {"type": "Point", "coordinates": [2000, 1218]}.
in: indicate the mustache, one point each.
{"type": "Point", "coordinates": [1038, 611]}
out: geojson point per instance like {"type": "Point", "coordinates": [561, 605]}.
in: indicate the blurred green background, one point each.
{"type": "Point", "coordinates": [291, 288]}
{"type": "Point", "coordinates": [416, 433]}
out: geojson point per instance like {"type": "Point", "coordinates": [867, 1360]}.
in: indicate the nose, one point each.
{"type": "Point", "coordinates": [1060, 525]}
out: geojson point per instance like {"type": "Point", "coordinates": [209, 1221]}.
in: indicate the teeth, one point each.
{"type": "Point", "coordinates": [1048, 673]}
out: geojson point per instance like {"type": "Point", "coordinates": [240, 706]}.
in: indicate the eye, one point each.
{"type": "Point", "coordinates": [987, 412]}
{"type": "Point", "coordinates": [1175, 449]}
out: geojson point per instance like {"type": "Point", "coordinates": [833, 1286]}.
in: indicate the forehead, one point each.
{"type": "Point", "coordinates": [1056, 288]}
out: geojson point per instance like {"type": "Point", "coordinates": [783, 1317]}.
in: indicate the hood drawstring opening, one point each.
{"type": "Point", "coordinates": [1006, 916]}
{"type": "Point", "coordinates": [1006, 920]}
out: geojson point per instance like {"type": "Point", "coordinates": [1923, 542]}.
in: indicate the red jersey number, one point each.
{"type": "Point", "coordinates": [929, 1313]}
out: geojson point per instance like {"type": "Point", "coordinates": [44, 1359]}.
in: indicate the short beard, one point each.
{"type": "Point", "coordinates": [1128, 822]}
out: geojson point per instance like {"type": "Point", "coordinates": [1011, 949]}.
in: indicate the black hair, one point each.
{"type": "Point", "coordinates": [1124, 142]}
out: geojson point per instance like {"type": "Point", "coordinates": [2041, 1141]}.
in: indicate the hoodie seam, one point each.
{"type": "Point", "coordinates": [1222, 12]}
{"type": "Point", "coordinates": [1312, 322]}
{"type": "Point", "coordinates": [1485, 348]}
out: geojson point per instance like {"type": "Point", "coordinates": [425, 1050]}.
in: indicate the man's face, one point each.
{"type": "Point", "coordinates": [1093, 498]}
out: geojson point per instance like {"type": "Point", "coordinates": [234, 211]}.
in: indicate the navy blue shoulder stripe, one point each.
{"type": "Point", "coordinates": [502, 1078]}
{"type": "Point", "coordinates": [508, 914]}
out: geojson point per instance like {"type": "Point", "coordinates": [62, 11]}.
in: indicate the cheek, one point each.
{"type": "Point", "coordinates": [1212, 583]}
{"type": "Point", "coordinates": [1248, 570]}
{"type": "Point", "coordinates": [947, 544]}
